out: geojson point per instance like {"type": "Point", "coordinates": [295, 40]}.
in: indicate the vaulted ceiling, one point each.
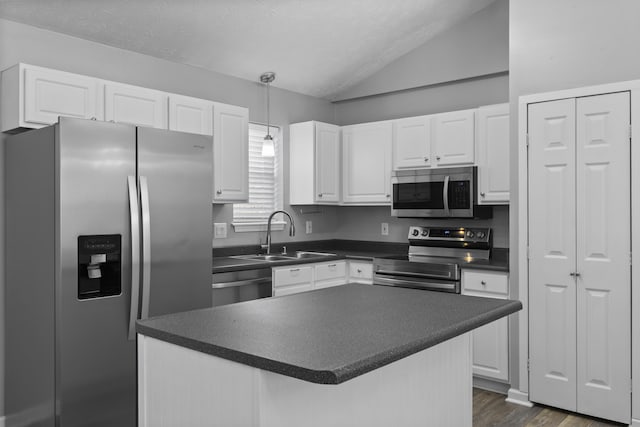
{"type": "Point", "coordinates": [316, 47]}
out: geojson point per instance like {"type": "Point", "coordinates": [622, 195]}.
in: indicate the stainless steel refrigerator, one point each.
{"type": "Point", "coordinates": [105, 224]}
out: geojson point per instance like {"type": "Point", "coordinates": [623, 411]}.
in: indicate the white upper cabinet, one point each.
{"type": "Point", "coordinates": [193, 115]}
{"type": "Point", "coordinates": [230, 153]}
{"type": "Point", "coordinates": [366, 162]}
{"type": "Point", "coordinates": [453, 138]}
{"type": "Point", "coordinates": [34, 97]}
{"type": "Point", "coordinates": [135, 105]}
{"type": "Point", "coordinates": [492, 158]}
{"type": "Point", "coordinates": [412, 142]}
{"type": "Point", "coordinates": [314, 163]}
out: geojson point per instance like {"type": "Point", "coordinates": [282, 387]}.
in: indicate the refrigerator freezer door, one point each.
{"type": "Point", "coordinates": [95, 369]}
{"type": "Point", "coordinates": [176, 169]}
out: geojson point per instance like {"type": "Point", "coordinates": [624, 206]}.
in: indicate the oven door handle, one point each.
{"type": "Point", "coordinates": [415, 275]}
{"type": "Point", "coordinates": [451, 286]}
{"type": "Point", "coordinates": [445, 196]}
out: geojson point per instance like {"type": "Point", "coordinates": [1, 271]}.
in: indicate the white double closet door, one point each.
{"type": "Point", "coordinates": [579, 248]}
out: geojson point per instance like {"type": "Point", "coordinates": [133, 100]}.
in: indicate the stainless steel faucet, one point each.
{"type": "Point", "coordinates": [292, 230]}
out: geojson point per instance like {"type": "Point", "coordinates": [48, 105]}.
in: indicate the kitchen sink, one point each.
{"type": "Point", "coordinates": [281, 257]}
{"type": "Point", "coordinates": [310, 254]}
{"type": "Point", "coordinates": [265, 257]}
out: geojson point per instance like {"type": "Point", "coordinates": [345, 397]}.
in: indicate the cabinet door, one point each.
{"type": "Point", "coordinates": [552, 246]}
{"type": "Point", "coordinates": [193, 115]}
{"type": "Point", "coordinates": [360, 272]}
{"type": "Point", "coordinates": [412, 142]}
{"type": "Point", "coordinates": [50, 93]}
{"type": "Point", "coordinates": [493, 154]}
{"type": "Point", "coordinates": [135, 105]}
{"type": "Point", "coordinates": [367, 163]}
{"type": "Point", "coordinates": [491, 341]}
{"type": "Point", "coordinates": [230, 153]}
{"type": "Point", "coordinates": [454, 138]}
{"type": "Point", "coordinates": [330, 274]}
{"type": "Point", "coordinates": [327, 163]}
{"type": "Point", "coordinates": [603, 289]}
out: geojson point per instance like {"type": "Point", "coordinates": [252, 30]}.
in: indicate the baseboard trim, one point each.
{"type": "Point", "coordinates": [635, 423]}
{"type": "Point", "coordinates": [518, 397]}
{"type": "Point", "coordinates": [490, 385]}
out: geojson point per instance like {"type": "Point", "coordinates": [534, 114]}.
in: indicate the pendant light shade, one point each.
{"type": "Point", "coordinates": [268, 146]}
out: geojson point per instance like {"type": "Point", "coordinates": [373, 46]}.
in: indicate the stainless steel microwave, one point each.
{"type": "Point", "coordinates": [437, 193]}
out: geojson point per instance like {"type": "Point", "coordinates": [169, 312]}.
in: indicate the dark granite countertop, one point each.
{"type": "Point", "coordinates": [330, 335]}
{"type": "Point", "coordinates": [224, 261]}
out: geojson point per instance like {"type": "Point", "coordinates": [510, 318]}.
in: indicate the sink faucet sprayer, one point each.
{"type": "Point", "coordinates": [292, 230]}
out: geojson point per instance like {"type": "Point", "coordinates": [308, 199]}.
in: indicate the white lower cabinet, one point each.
{"type": "Point", "coordinates": [491, 341]}
{"type": "Point", "coordinates": [301, 278]}
{"type": "Point", "coordinates": [360, 272]}
{"type": "Point", "coordinates": [291, 280]}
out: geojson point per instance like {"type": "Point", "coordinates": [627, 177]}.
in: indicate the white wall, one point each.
{"type": "Point", "coordinates": [560, 45]}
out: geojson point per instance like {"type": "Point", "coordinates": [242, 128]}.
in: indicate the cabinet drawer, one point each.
{"type": "Point", "coordinates": [332, 270]}
{"type": "Point", "coordinates": [489, 282]}
{"type": "Point", "coordinates": [292, 275]}
{"type": "Point", "coordinates": [360, 271]}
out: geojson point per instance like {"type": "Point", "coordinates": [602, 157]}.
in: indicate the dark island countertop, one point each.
{"type": "Point", "coordinates": [329, 335]}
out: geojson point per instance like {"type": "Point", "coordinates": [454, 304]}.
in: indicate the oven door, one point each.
{"type": "Point", "coordinates": [437, 193]}
{"type": "Point", "coordinates": [416, 281]}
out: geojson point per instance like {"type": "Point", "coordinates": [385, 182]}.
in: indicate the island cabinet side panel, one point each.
{"type": "Point", "coordinates": [429, 388]}
{"type": "Point", "coordinates": [182, 387]}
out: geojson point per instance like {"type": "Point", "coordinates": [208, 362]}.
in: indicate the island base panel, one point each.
{"type": "Point", "coordinates": [183, 387]}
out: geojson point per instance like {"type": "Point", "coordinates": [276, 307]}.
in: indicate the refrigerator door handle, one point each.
{"type": "Point", "coordinates": [135, 255]}
{"type": "Point", "coordinates": [146, 247]}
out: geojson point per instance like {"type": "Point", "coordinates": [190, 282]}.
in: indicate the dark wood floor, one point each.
{"type": "Point", "coordinates": [490, 409]}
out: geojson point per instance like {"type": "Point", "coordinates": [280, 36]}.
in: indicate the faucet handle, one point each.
{"type": "Point", "coordinates": [264, 247]}
{"type": "Point", "coordinates": [284, 250]}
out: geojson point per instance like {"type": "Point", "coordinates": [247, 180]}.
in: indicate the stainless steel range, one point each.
{"type": "Point", "coordinates": [434, 258]}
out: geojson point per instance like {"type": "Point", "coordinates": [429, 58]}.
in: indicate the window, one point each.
{"type": "Point", "coordinates": [265, 184]}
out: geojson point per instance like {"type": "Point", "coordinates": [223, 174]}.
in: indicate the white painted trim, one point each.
{"type": "Point", "coordinates": [635, 423]}
{"type": "Point", "coordinates": [523, 241]}
{"type": "Point", "coordinates": [490, 385]}
{"type": "Point", "coordinates": [519, 398]}
{"type": "Point", "coordinates": [244, 227]}
{"type": "Point", "coordinates": [635, 257]}
{"type": "Point", "coordinates": [523, 224]}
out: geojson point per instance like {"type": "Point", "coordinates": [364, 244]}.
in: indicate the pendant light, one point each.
{"type": "Point", "coordinates": [268, 146]}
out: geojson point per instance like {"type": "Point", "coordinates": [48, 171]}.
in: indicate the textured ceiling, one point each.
{"type": "Point", "coordinates": [316, 47]}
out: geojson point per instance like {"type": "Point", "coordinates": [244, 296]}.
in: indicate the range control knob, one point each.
{"type": "Point", "coordinates": [425, 233]}
{"type": "Point", "coordinates": [415, 232]}
{"type": "Point", "coordinates": [470, 234]}
{"type": "Point", "coordinates": [481, 234]}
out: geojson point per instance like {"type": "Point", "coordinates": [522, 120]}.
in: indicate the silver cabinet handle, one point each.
{"type": "Point", "coordinates": [437, 157]}
{"type": "Point", "coordinates": [135, 255]}
{"type": "Point", "coordinates": [331, 265]}
{"type": "Point", "coordinates": [359, 271]}
{"type": "Point", "coordinates": [320, 195]}
{"type": "Point", "coordinates": [576, 274]}
{"type": "Point", "coordinates": [146, 247]}
{"type": "Point", "coordinates": [293, 270]}
{"type": "Point", "coordinates": [388, 195]}
{"type": "Point", "coordinates": [426, 159]}
{"type": "Point", "coordinates": [483, 283]}
{"type": "Point", "coordinates": [445, 195]}
{"type": "Point", "coordinates": [218, 192]}
{"type": "Point", "coordinates": [482, 194]}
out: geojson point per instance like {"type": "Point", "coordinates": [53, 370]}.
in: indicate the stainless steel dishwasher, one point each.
{"type": "Point", "coordinates": [237, 286]}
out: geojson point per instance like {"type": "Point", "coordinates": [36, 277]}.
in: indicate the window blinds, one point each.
{"type": "Point", "coordinates": [264, 194]}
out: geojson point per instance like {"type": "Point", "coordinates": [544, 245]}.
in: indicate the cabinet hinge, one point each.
{"type": "Point", "coordinates": [630, 127]}
{"type": "Point", "coordinates": [527, 140]}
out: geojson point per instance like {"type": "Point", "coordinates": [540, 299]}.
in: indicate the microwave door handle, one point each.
{"type": "Point", "coordinates": [445, 196]}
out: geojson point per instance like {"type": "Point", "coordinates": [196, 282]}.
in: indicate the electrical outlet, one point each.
{"type": "Point", "coordinates": [219, 230]}
{"type": "Point", "coordinates": [309, 227]}
{"type": "Point", "coordinates": [384, 229]}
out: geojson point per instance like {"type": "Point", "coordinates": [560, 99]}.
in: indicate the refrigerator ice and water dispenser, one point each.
{"type": "Point", "coordinates": [99, 266]}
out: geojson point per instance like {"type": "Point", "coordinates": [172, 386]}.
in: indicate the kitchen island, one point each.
{"type": "Point", "coordinates": [344, 356]}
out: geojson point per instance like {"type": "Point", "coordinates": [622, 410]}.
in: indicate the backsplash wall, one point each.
{"type": "Point", "coordinates": [364, 223]}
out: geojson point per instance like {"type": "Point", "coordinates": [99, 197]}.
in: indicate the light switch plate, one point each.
{"type": "Point", "coordinates": [384, 229]}
{"type": "Point", "coordinates": [309, 227]}
{"type": "Point", "coordinates": [219, 230]}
